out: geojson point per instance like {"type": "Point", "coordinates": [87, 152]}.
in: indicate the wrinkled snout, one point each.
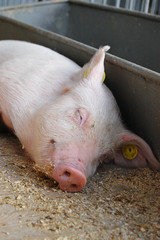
{"type": "Point", "coordinates": [69, 178]}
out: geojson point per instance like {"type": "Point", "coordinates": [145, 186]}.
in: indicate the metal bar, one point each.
{"type": "Point", "coordinates": [117, 4]}
{"type": "Point", "coordinates": [104, 2]}
{"type": "Point", "coordinates": [145, 6]}
{"type": "Point", "coordinates": [107, 2]}
{"type": "Point", "coordinates": [159, 9]}
{"type": "Point", "coordinates": [132, 4]}
{"type": "Point", "coordinates": [127, 3]}
{"type": "Point", "coordinates": [154, 6]}
{"type": "Point", "coordinates": [138, 5]}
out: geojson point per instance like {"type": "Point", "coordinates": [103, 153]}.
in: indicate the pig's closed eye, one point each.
{"type": "Point", "coordinates": [80, 119]}
{"type": "Point", "coordinates": [81, 116]}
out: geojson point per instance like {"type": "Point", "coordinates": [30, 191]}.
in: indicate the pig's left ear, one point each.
{"type": "Point", "coordinates": [134, 152]}
{"type": "Point", "coordinates": [94, 70]}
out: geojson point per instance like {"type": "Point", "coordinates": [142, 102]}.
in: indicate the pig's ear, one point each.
{"type": "Point", "coordinates": [133, 151]}
{"type": "Point", "coordinates": [93, 71]}
{"type": "Point", "coordinates": [95, 68]}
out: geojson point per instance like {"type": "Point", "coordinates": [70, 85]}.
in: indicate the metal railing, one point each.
{"type": "Point", "coordinates": [5, 3]}
{"type": "Point", "coordinates": [146, 6]}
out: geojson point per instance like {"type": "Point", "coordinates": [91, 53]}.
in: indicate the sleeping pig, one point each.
{"type": "Point", "coordinates": [64, 116]}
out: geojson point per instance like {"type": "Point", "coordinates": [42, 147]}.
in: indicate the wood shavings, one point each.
{"type": "Point", "coordinates": [115, 204]}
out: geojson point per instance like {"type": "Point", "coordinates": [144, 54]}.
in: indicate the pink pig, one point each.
{"type": "Point", "coordinates": [66, 118]}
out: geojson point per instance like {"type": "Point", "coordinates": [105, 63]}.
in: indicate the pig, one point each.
{"type": "Point", "coordinates": [65, 117]}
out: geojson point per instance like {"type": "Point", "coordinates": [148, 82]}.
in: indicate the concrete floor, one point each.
{"type": "Point", "coordinates": [116, 203]}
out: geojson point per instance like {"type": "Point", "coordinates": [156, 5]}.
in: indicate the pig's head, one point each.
{"type": "Point", "coordinates": [74, 133]}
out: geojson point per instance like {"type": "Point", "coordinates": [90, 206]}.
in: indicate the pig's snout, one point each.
{"type": "Point", "coordinates": [69, 178]}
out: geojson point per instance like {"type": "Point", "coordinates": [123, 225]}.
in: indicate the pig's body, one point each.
{"type": "Point", "coordinates": [66, 120]}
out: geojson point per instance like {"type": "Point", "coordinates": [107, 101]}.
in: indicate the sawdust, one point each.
{"type": "Point", "coordinates": [116, 203]}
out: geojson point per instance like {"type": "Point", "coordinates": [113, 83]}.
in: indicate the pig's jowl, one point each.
{"type": "Point", "coordinates": [65, 117]}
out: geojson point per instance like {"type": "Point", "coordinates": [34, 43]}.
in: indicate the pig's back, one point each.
{"type": "Point", "coordinates": [25, 54]}
{"type": "Point", "coordinates": [12, 49]}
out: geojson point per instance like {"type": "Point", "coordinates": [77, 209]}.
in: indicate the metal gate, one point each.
{"type": "Point", "coordinates": [5, 3]}
{"type": "Point", "coordinates": [146, 6]}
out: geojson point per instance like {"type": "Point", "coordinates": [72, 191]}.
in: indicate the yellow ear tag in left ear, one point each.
{"type": "Point", "coordinates": [129, 151]}
{"type": "Point", "coordinates": [104, 76]}
{"type": "Point", "coordinates": [86, 72]}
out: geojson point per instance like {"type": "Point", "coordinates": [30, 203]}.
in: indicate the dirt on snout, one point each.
{"type": "Point", "coordinates": [116, 203]}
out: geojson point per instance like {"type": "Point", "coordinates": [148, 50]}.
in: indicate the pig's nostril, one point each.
{"type": "Point", "coordinates": [68, 174]}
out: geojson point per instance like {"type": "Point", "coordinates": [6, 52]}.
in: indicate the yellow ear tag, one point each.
{"type": "Point", "coordinates": [129, 151]}
{"type": "Point", "coordinates": [86, 72]}
{"type": "Point", "coordinates": [104, 76]}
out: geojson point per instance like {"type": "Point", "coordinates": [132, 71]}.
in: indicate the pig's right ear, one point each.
{"type": "Point", "coordinates": [93, 71]}
{"type": "Point", "coordinates": [133, 151]}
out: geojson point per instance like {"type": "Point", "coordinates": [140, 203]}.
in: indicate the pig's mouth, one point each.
{"type": "Point", "coordinates": [69, 177]}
